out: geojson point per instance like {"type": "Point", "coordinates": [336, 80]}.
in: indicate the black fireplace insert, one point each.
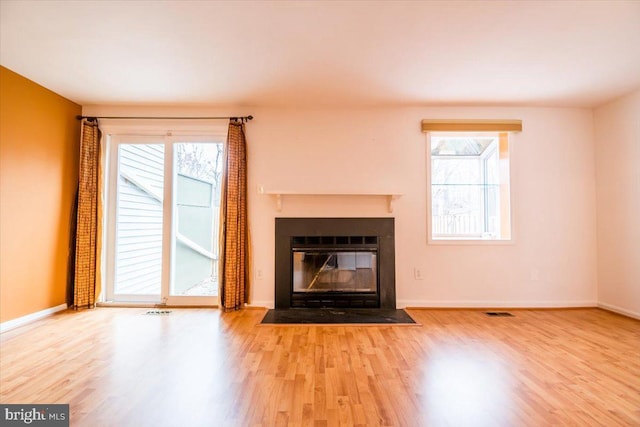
{"type": "Point", "coordinates": [335, 262]}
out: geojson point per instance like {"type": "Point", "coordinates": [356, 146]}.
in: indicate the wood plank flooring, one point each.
{"type": "Point", "coordinates": [200, 367]}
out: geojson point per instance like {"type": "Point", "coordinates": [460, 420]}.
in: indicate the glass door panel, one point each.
{"type": "Point", "coordinates": [139, 222]}
{"type": "Point", "coordinates": [196, 205]}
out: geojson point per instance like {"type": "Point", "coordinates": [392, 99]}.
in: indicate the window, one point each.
{"type": "Point", "coordinates": [469, 175]}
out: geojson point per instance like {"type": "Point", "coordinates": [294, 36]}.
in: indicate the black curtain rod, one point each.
{"type": "Point", "coordinates": [244, 119]}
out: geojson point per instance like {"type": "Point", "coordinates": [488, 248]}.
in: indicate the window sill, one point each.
{"type": "Point", "coordinates": [466, 242]}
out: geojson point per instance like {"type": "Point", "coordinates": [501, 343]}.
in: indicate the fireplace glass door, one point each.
{"type": "Point", "coordinates": [317, 271]}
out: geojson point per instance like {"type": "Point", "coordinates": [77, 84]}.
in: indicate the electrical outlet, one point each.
{"type": "Point", "coordinates": [417, 274]}
{"type": "Point", "coordinates": [259, 274]}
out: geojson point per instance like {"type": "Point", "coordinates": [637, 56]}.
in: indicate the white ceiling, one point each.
{"type": "Point", "coordinates": [326, 54]}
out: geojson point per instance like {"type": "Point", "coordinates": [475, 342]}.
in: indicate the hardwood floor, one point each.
{"type": "Point", "coordinates": [199, 367]}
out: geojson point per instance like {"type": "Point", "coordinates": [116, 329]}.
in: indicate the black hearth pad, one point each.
{"type": "Point", "coordinates": [337, 316]}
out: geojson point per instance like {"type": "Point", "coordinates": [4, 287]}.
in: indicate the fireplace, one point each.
{"type": "Point", "coordinates": [335, 262]}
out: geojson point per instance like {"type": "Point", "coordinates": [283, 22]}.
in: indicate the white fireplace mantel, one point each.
{"type": "Point", "coordinates": [280, 194]}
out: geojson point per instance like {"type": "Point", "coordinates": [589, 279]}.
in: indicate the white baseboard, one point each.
{"type": "Point", "coordinates": [470, 304]}
{"type": "Point", "coordinates": [21, 321]}
{"type": "Point", "coordinates": [265, 304]}
{"type": "Point", "coordinates": [619, 310]}
{"type": "Point", "coordinates": [494, 304]}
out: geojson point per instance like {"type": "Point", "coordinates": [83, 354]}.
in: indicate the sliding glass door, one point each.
{"type": "Point", "coordinates": [164, 200]}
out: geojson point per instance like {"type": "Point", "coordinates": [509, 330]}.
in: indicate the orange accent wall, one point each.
{"type": "Point", "coordinates": [39, 143]}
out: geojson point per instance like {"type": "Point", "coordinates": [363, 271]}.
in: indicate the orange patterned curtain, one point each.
{"type": "Point", "coordinates": [84, 290]}
{"type": "Point", "coordinates": [234, 238]}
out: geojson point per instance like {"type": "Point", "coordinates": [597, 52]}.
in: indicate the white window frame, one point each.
{"type": "Point", "coordinates": [464, 240]}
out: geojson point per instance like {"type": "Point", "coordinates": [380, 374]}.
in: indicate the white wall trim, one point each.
{"type": "Point", "coordinates": [472, 304]}
{"type": "Point", "coordinates": [21, 321]}
{"type": "Point", "coordinates": [619, 310]}
{"type": "Point", "coordinates": [265, 304]}
{"type": "Point", "coordinates": [495, 304]}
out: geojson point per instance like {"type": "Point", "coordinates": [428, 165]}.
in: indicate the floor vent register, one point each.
{"type": "Point", "coordinates": [498, 314]}
{"type": "Point", "coordinates": [158, 312]}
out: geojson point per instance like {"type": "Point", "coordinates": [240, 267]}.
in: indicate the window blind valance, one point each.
{"type": "Point", "coordinates": [464, 125]}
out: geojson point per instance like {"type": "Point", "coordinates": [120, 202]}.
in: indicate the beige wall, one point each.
{"type": "Point", "coordinates": [617, 135]}
{"type": "Point", "coordinates": [38, 177]}
{"type": "Point", "coordinates": [553, 259]}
